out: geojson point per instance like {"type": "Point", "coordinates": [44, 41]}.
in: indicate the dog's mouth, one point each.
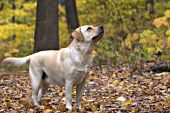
{"type": "Point", "coordinates": [98, 36]}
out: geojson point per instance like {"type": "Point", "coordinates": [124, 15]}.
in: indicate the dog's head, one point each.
{"type": "Point", "coordinates": [88, 33]}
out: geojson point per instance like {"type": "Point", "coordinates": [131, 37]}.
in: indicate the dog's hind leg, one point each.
{"type": "Point", "coordinates": [43, 88]}
{"type": "Point", "coordinates": [36, 78]}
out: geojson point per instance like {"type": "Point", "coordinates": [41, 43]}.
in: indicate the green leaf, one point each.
{"type": "Point", "coordinates": [132, 57]}
{"type": "Point", "coordinates": [147, 33]}
{"type": "Point", "coordinates": [168, 32]}
{"type": "Point", "coordinates": [144, 53]}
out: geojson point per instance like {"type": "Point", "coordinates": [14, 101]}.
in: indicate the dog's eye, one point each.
{"type": "Point", "coordinates": [89, 28]}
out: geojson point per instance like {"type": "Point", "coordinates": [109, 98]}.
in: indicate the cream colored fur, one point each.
{"type": "Point", "coordinates": [66, 67]}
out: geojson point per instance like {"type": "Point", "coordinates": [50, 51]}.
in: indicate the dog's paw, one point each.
{"type": "Point", "coordinates": [79, 107]}
{"type": "Point", "coordinates": [68, 107]}
{"type": "Point", "coordinates": [41, 107]}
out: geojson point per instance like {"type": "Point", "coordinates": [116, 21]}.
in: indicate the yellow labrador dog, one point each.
{"type": "Point", "coordinates": [66, 67]}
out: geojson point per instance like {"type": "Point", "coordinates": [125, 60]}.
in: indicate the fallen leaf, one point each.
{"type": "Point", "coordinates": [47, 111]}
{"type": "Point", "coordinates": [166, 102]}
{"type": "Point", "coordinates": [61, 108]}
{"type": "Point", "coordinates": [121, 98]}
{"type": "Point", "coordinates": [116, 82]}
{"type": "Point", "coordinates": [127, 102]}
{"type": "Point", "coordinates": [93, 108]}
{"type": "Point", "coordinates": [134, 110]}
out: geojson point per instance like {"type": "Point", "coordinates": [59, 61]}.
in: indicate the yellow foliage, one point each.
{"type": "Point", "coordinates": [94, 53]}
{"type": "Point", "coordinates": [131, 38]}
{"type": "Point", "coordinates": [162, 21]}
{"type": "Point", "coordinates": [151, 50]}
{"type": "Point", "coordinates": [7, 54]}
{"type": "Point", "coordinates": [63, 34]}
{"type": "Point", "coordinates": [20, 13]}
{"type": "Point", "coordinates": [17, 29]}
{"type": "Point", "coordinates": [167, 13]}
{"type": "Point", "coordinates": [150, 41]}
{"type": "Point", "coordinates": [6, 15]}
{"type": "Point", "coordinates": [30, 6]}
{"type": "Point", "coordinates": [168, 42]}
{"type": "Point", "coordinates": [15, 50]}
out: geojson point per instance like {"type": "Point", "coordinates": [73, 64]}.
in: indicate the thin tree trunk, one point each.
{"type": "Point", "coordinates": [1, 6]}
{"type": "Point", "coordinates": [46, 31]}
{"type": "Point", "coordinates": [71, 15]}
{"type": "Point", "coordinates": [13, 8]}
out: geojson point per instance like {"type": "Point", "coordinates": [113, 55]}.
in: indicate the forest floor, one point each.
{"type": "Point", "coordinates": [108, 89]}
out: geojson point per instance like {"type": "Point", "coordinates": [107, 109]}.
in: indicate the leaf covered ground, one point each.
{"type": "Point", "coordinates": [108, 90]}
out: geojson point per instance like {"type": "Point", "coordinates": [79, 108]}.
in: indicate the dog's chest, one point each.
{"type": "Point", "coordinates": [79, 76]}
{"type": "Point", "coordinates": [81, 68]}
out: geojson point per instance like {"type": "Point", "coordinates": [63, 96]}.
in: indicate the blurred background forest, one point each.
{"type": "Point", "coordinates": [137, 36]}
{"type": "Point", "coordinates": [135, 30]}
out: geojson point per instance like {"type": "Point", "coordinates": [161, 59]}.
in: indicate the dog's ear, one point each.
{"type": "Point", "coordinates": [77, 34]}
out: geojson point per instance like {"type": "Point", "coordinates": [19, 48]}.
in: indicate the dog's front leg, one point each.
{"type": "Point", "coordinates": [79, 92]}
{"type": "Point", "coordinates": [68, 95]}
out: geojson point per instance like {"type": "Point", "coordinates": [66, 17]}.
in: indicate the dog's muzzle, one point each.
{"type": "Point", "coordinates": [100, 34]}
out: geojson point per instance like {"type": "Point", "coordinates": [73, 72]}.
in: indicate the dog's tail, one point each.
{"type": "Point", "coordinates": [17, 61]}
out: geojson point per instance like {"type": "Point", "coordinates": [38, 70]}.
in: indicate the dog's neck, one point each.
{"type": "Point", "coordinates": [81, 49]}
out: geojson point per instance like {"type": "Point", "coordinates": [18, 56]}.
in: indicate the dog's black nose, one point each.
{"type": "Point", "coordinates": [101, 27]}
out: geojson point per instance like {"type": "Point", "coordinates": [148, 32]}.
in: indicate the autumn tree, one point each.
{"type": "Point", "coordinates": [46, 31]}
{"type": "Point", "coordinates": [71, 15]}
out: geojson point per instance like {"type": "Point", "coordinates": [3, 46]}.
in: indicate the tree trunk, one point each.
{"type": "Point", "coordinates": [71, 15]}
{"type": "Point", "coordinates": [1, 6]}
{"type": "Point", "coordinates": [46, 31]}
